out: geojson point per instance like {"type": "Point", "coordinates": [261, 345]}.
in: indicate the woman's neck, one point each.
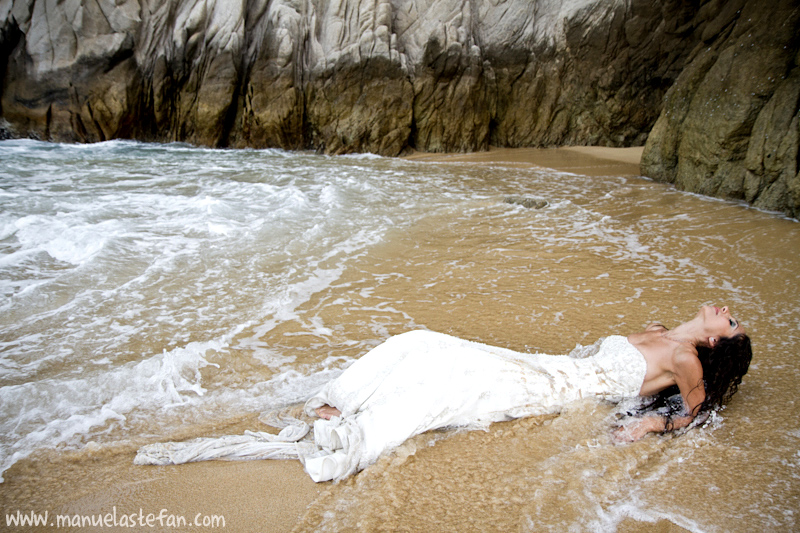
{"type": "Point", "coordinates": [687, 333]}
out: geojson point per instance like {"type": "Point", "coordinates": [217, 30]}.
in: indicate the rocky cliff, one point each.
{"type": "Point", "coordinates": [715, 81]}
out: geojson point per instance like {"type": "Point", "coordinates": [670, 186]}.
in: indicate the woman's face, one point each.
{"type": "Point", "coordinates": [719, 322]}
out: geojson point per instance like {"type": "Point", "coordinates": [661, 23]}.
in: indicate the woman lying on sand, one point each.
{"type": "Point", "coordinates": [423, 380]}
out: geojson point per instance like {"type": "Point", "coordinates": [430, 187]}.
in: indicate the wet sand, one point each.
{"type": "Point", "coordinates": [251, 496]}
{"type": "Point", "coordinates": [587, 160]}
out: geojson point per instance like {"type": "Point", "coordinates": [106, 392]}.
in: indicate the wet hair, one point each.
{"type": "Point", "coordinates": [724, 365]}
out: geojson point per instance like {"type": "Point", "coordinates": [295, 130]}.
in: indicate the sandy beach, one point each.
{"type": "Point", "coordinates": [251, 496]}
{"type": "Point", "coordinates": [587, 160]}
{"type": "Point", "coordinates": [166, 292]}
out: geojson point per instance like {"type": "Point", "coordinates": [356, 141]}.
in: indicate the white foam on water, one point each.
{"type": "Point", "coordinates": [64, 410]}
{"type": "Point", "coordinates": [608, 520]}
{"type": "Point", "coordinates": [126, 267]}
{"type": "Point", "coordinates": [70, 243]}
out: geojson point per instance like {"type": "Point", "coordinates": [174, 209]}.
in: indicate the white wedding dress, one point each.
{"type": "Point", "coordinates": [420, 381]}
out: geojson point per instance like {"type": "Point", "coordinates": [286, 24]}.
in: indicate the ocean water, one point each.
{"type": "Point", "coordinates": [129, 268]}
{"type": "Point", "coordinates": [152, 292]}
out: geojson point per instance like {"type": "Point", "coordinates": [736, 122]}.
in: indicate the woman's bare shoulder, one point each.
{"type": "Point", "coordinates": [686, 357]}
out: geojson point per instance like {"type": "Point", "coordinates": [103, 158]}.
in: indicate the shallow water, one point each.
{"type": "Point", "coordinates": [153, 292]}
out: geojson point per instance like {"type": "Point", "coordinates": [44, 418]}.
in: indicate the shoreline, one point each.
{"type": "Point", "coordinates": [251, 495]}
{"type": "Point", "coordinates": [586, 160]}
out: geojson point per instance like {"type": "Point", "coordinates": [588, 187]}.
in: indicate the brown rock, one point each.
{"type": "Point", "coordinates": [729, 124]}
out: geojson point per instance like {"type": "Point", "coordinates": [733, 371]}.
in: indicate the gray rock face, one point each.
{"type": "Point", "coordinates": [383, 76]}
{"type": "Point", "coordinates": [65, 68]}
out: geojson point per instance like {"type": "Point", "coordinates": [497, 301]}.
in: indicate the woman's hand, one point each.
{"type": "Point", "coordinates": [635, 428]}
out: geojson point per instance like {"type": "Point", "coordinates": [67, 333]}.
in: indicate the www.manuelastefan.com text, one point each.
{"type": "Point", "coordinates": [162, 519]}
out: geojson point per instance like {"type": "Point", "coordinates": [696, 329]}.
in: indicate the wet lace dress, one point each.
{"type": "Point", "coordinates": [419, 381]}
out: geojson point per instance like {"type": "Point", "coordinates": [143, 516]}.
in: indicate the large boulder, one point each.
{"type": "Point", "coordinates": [729, 126]}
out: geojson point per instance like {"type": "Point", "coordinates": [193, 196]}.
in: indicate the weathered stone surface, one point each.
{"type": "Point", "coordinates": [729, 126]}
{"type": "Point", "coordinates": [52, 53]}
{"type": "Point", "coordinates": [383, 76]}
{"type": "Point", "coordinates": [189, 55]}
{"type": "Point", "coordinates": [271, 104]}
{"type": "Point", "coordinates": [357, 94]}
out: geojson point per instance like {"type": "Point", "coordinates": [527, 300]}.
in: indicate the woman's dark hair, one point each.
{"type": "Point", "coordinates": [724, 365]}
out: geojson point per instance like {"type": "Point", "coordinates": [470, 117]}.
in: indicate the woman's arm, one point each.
{"type": "Point", "coordinates": [637, 428]}
{"type": "Point", "coordinates": [688, 372]}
